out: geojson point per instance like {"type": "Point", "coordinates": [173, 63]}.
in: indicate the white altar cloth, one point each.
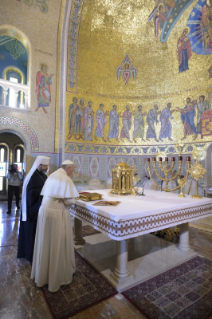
{"type": "Point", "coordinates": [138, 215]}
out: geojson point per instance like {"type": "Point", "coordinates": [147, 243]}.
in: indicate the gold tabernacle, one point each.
{"type": "Point", "coordinates": [87, 197]}
{"type": "Point", "coordinates": [122, 179]}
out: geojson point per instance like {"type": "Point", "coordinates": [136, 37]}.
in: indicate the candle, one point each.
{"type": "Point", "coordinates": [173, 159]}
{"type": "Point", "coordinates": [160, 159]}
{"type": "Point", "coordinates": [154, 159]}
{"type": "Point", "coordinates": [180, 158]}
{"type": "Point", "coordinates": [148, 159]}
{"type": "Point", "coordinates": [188, 159]}
{"type": "Point", "coordinates": [166, 159]}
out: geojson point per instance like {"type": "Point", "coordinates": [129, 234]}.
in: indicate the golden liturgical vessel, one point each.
{"type": "Point", "coordinates": [122, 179]}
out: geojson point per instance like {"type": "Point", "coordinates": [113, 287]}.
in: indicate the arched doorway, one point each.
{"type": "Point", "coordinates": [12, 150]}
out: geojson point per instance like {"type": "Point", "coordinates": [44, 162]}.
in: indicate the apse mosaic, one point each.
{"type": "Point", "coordinates": [139, 75]}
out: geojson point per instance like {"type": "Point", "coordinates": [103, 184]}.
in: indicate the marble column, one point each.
{"type": "Point", "coordinates": [121, 273]}
{"type": "Point", "coordinates": [78, 239]}
{"type": "Point", "coordinates": [184, 237]}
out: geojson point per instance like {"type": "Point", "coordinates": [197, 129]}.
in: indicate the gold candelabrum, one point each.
{"type": "Point", "coordinates": [166, 169]}
{"type": "Point", "coordinates": [122, 179]}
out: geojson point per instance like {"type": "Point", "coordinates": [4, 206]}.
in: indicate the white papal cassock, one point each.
{"type": "Point", "coordinates": [53, 259]}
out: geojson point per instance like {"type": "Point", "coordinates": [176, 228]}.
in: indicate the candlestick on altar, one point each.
{"type": "Point", "coordinates": [168, 170]}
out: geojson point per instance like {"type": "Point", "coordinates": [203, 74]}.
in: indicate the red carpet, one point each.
{"type": "Point", "coordinates": [183, 292]}
{"type": "Point", "coordinates": [87, 288]}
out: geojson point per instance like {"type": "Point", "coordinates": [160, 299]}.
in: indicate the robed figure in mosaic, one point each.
{"type": "Point", "coordinates": [138, 124]}
{"type": "Point", "coordinates": [43, 88]}
{"type": "Point", "coordinates": [166, 126]}
{"type": "Point", "coordinates": [113, 124]}
{"type": "Point", "coordinates": [88, 122]}
{"type": "Point", "coordinates": [201, 108]}
{"type": "Point", "coordinates": [126, 122]}
{"type": "Point", "coordinates": [79, 118]}
{"type": "Point", "coordinates": [101, 122]}
{"type": "Point", "coordinates": [151, 121]}
{"type": "Point", "coordinates": [187, 117]}
{"type": "Point", "coordinates": [72, 117]}
{"type": "Point", "coordinates": [183, 51]}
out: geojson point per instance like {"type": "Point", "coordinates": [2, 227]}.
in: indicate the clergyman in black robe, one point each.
{"type": "Point", "coordinates": [28, 224]}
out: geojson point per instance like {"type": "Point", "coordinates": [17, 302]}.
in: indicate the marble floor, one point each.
{"type": "Point", "coordinates": [21, 299]}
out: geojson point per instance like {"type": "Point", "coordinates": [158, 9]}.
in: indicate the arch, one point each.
{"type": "Point", "coordinates": [23, 127]}
{"type": "Point", "coordinates": [9, 30]}
{"type": "Point", "coordinates": [61, 85]}
{"type": "Point", "coordinates": [13, 69]}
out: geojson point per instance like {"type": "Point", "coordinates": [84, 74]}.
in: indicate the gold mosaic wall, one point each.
{"type": "Point", "coordinates": [110, 29]}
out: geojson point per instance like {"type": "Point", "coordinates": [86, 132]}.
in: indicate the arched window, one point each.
{"type": "Point", "coordinates": [3, 166]}
{"type": "Point", "coordinates": [14, 51]}
{"type": "Point", "coordinates": [14, 75]}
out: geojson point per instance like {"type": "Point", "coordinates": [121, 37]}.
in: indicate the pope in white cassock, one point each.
{"type": "Point", "coordinates": [53, 259]}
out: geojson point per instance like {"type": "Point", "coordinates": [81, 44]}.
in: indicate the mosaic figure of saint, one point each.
{"type": "Point", "coordinates": [126, 122]}
{"type": "Point", "coordinates": [201, 108]}
{"type": "Point", "coordinates": [113, 124]}
{"type": "Point", "coordinates": [166, 126]}
{"type": "Point", "coordinates": [79, 117]}
{"type": "Point", "coordinates": [43, 88]}
{"type": "Point", "coordinates": [187, 117]}
{"type": "Point", "coordinates": [72, 117]}
{"type": "Point", "coordinates": [159, 18]}
{"type": "Point", "coordinates": [101, 122]}
{"type": "Point", "coordinates": [138, 124]}
{"type": "Point", "coordinates": [183, 50]}
{"type": "Point", "coordinates": [88, 122]}
{"type": "Point", "coordinates": [151, 121]}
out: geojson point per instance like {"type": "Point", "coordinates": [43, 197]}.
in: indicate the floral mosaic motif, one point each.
{"type": "Point", "coordinates": [15, 48]}
{"type": "Point", "coordinates": [73, 44]}
{"type": "Point", "coordinates": [94, 166]}
{"type": "Point", "coordinates": [41, 4]}
{"type": "Point", "coordinates": [5, 120]}
{"type": "Point", "coordinates": [141, 150]}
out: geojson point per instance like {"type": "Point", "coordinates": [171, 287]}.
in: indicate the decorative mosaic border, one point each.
{"type": "Point", "coordinates": [143, 225]}
{"type": "Point", "coordinates": [24, 127]}
{"type": "Point", "coordinates": [41, 4]}
{"type": "Point", "coordinates": [127, 149]}
{"type": "Point", "coordinates": [73, 36]}
{"type": "Point", "coordinates": [15, 34]}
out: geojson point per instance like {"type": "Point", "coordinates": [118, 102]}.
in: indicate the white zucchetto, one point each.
{"type": "Point", "coordinates": [67, 162]}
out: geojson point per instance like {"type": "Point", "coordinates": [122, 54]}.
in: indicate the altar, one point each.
{"type": "Point", "coordinates": [138, 215]}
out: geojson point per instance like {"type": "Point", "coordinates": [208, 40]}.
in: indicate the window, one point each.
{"type": "Point", "coordinates": [12, 95]}
{"type": "Point", "coordinates": [2, 154]}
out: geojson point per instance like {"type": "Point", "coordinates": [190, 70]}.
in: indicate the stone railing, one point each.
{"type": "Point", "coordinates": [17, 87]}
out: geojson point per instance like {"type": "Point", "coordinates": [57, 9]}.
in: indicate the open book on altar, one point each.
{"type": "Point", "coordinates": [106, 203]}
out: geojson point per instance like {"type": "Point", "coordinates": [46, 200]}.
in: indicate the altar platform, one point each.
{"type": "Point", "coordinates": [130, 258]}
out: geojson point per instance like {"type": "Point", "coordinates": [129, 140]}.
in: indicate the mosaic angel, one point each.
{"type": "Point", "coordinates": [126, 70]}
